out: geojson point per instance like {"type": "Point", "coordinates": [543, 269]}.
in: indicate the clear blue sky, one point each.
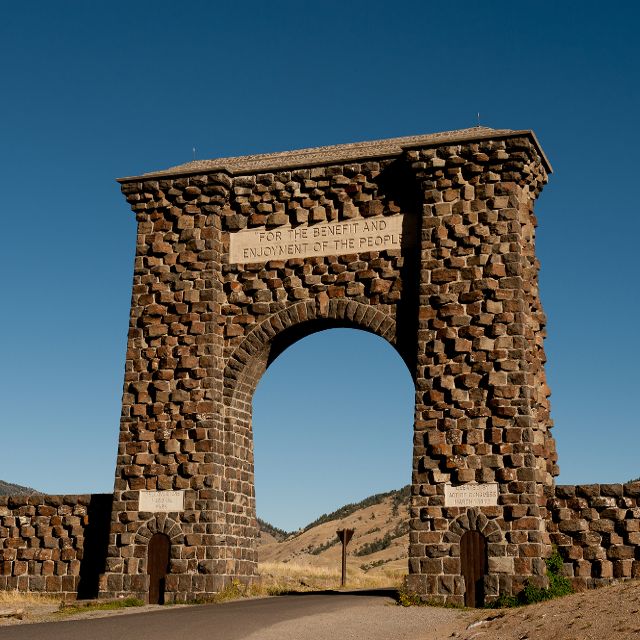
{"type": "Point", "coordinates": [95, 90]}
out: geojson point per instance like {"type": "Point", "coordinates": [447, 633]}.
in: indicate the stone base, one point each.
{"type": "Point", "coordinates": [180, 588]}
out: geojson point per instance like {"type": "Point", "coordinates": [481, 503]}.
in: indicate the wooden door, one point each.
{"type": "Point", "coordinates": [473, 559]}
{"type": "Point", "coordinates": [158, 566]}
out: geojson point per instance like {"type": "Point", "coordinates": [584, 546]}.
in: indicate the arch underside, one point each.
{"type": "Point", "coordinates": [276, 333]}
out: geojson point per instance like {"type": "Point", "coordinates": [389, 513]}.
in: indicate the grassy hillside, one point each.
{"type": "Point", "coordinates": [380, 541]}
{"type": "Point", "coordinates": [10, 489]}
{"type": "Point", "coordinates": [398, 496]}
{"type": "Point", "coordinates": [270, 530]}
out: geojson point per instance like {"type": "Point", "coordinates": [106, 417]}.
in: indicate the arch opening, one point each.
{"type": "Point", "coordinates": [342, 432]}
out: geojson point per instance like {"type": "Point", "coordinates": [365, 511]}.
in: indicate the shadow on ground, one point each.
{"type": "Point", "coordinates": [380, 593]}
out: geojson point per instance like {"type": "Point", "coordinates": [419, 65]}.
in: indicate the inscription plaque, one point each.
{"type": "Point", "coordinates": [471, 495]}
{"type": "Point", "coordinates": [324, 239]}
{"type": "Point", "coordinates": [161, 501]}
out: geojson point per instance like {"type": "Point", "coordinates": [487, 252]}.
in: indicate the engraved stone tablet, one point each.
{"type": "Point", "coordinates": [471, 495]}
{"type": "Point", "coordinates": [161, 501]}
{"type": "Point", "coordinates": [325, 239]}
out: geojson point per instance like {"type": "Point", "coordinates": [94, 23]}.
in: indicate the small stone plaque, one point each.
{"type": "Point", "coordinates": [161, 501]}
{"type": "Point", "coordinates": [324, 239]}
{"type": "Point", "coordinates": [471, 495]}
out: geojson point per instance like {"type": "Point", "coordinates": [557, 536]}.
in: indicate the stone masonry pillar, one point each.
{"type": "Point", "coordinates": [171, 444]}
{"type": "Point", "coordinates": [481, 411]}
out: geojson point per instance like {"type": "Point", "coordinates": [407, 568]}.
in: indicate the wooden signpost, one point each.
{"type": "Point", "coordinates": [344, 535]}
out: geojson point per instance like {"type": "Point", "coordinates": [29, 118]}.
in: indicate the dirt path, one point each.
{"type": "Point", "coordinates": [610, 613]}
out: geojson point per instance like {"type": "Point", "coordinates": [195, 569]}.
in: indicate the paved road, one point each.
{"type": "Point", "coordinates": [366, 615]}
{"type": "Point", "coordinates": [332, 615]}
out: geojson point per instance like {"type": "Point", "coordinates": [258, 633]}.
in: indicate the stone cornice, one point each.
{"type": "Point", "coordinates": [335, 154]}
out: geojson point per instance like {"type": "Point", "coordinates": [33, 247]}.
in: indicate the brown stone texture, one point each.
{"type": "Point", "coordinates": [58, 544]}
{"type": "Point", "coordinates": [482, 409]}
{"type": "Point", "coordinates": [596, 529]}
{"type": "Point", "coordinates": [171, 425]}
{"type": "Point", "coordinates": [54, 544]}
{"type": "Point", "coordinates": [459, 301]}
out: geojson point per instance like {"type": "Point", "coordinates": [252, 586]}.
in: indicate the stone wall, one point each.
{"type": "Point", "coordinates": [596, 528]}
{"type": "Point", "coordinates": [54, 544]}
{"type": "Point", "coordinates": [58, 544]}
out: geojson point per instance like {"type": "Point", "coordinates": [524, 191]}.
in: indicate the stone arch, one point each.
{"type": "Point", "coordinates": [160, 523]}
{"type": "Point", "coordinates": [474, 520]}
{"type": "Point", "coordinates": [453, 287]}
{"type": "Point", "coordinates": [246, 365]}
{"type": "Point", "coordinates": [251, 357]}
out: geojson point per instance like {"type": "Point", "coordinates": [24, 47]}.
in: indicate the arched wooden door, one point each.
{"type": "Point", "coordinates": [158, 566]}
{"type": "Point", "coordinates": [473, 560]}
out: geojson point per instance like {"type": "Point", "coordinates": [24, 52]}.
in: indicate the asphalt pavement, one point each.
{"type": "Point", "coordinates": [229, 621]}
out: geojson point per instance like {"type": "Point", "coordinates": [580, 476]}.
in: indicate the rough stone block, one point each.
{"type": "Point", "coordinates": [501, 565]}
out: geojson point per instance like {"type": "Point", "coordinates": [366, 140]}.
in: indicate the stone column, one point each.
{"type": "Point", "coordinates": [481, 413]}
{"type": "Point", "coordinates": [171, 425]}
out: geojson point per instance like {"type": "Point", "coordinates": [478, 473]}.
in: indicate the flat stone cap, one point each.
{"type": "Point", "coordinates": [338, 153]}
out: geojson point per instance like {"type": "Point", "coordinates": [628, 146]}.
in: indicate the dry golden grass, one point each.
{"type": "Point", "coordinates": [17, 598]}
{"type": "Point", "coordinates": [380, 541]}
{"type": "Point", "coordinates": [280, 577]}
{"type": "Point", "coordinates": [16, 606]}
{"type": "Point", "coordinates": [276, 578]}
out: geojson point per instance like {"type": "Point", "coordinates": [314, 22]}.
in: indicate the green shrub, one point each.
{"type": "Point", "coordinates": [559, 585]}
{"type": "Point", "coordinates": [401, 498]}
{"type": "Point", "coordinates": [316, 551]}
{"type": "Point", "coordinates": [382, 543]}
{"type": "Point", "coordinates": [93, 605]}
{"type": "Point", "coordinates": [278, 534]}
{"type": "Point", "coordinates": [532, 594]}
{"type": "Point", "coordinates": [503, 602]}
{"type": "Point", "coordinates": [377, 545]}
{"type": "Point", "coordinates": [407, 599]}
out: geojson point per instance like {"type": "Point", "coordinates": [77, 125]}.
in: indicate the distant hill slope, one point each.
{"type": "Point", "coordinates": [10, 489]}
{"type": "Point", "coordinates": [270, 532]}
{"type": "Point", "coordinates": [381, 538]}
